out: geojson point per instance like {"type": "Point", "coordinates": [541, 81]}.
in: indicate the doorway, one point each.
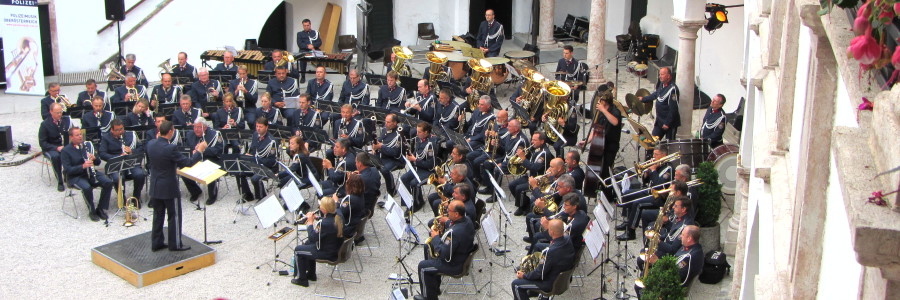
{"type": "Point", "coordinates": [46, 39]}
{"type": "Point", "coordinates": [502, 13]}
{"type": "Point", "coordinates": [274, 31]}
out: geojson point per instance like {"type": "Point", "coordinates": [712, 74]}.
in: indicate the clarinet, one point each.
{"type": "Point", "coordinates": [92, 173]}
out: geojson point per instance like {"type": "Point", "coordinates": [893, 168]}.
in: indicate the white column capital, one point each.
{"type": "Point", "coordinates": [688, 28]}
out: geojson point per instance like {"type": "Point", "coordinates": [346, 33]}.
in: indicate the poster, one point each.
{"type": "Point", "coordinates": [21, 47]}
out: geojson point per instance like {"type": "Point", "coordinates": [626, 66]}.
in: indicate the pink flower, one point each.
{"type": "Point", "coordinates": [864, 49]}
{"type": "Point", "coordinates": [866, 104]}
{"type": "Point", "coordinates": [897, 8]}
{"type": "Point", "coordinates": [861, 25]}
{"type": "Point", "coordinates": [895, 59]}
{"type": "Point", "coordinates": [864, 11]}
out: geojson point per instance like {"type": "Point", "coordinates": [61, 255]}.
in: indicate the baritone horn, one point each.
{"type": "Point", "coordinates": [402, 54]}
{"type": "Point", "coordinates": [166, 66]}
{"type": "Point", "coordinates": [481, 80]}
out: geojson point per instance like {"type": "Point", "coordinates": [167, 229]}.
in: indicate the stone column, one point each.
{"type": "Point", "coordinates": [545, 31]}
{"type": "Point", "coordinates": [596, 39]}
{"type": "Point", "coordinates": [687, 46]}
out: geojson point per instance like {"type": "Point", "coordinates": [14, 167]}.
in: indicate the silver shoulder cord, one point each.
{"type": "Point", "coordinates": [399, 97]}
{"type": "Point", "coordinates": [361, 93]}
{"type": "Point", "coordinates": [350, 205]}
{"type": "Point", "coordinates": [327, 92]}
{"type": "Point", "coordinates": [452, 114]}
{"type": "Point", "coordinates": [481, 123]}
{"type": "Point", "coordinates": [444, 238]}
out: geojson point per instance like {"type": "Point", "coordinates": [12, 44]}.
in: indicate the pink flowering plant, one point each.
{"type": "Point", "coordinates": [872, 19]}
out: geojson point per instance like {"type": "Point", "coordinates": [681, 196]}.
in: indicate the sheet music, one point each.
{"type": "Point", "coordinates": [395, 221]}
{"type": "Point", "coordinates": [497, 188]}
{"type": "Point", "coordinates": [609, 208]}
{"type": "Point", "coordinates": [593, 239]}
{"type": "Point", "coordinates": [410, 167]}
{"type": "Point", "coordinates": [292, 196]}
{"type": "Point", "coordinates": [314, 182]}
{"type": "Point", "coordinates": [269, 211]}
{"type": "Point", "coordinates": [601, 217]}
{"type": "Point", "coordinates": [490, 229]}
{"type": "Point", "coordinates": [203, 169]}
{"type": "Point", "coordinates": [405, 195]}
{"type": "Point", "coordinates": [291, 102]}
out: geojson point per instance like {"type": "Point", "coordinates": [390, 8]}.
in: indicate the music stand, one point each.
{"type": "Point", "coordinates": [264, 76]}
{"type": "Point", "coordinates": [92, 134]}
{"type": "Point", "coordinates": [223, 77]}
{"type": "Point", "coordinates": [112, 85]}
{"type": "Point", "coordinates": [183, 81]}
{"type": "Point", "coordinates": [269, 211]}
{"type": "Point", "coordinates": [328, 106]}
{"type": "Point", "coordinates": [211, 107]}
{"type": "Point", "coordinates": [410, 121]}
{"type": "Point", "coordinates": [120, 109]}
{"type": "Point", "coordinates": [370, 111]}
{"type": "Point", "coordinates": [314, 134]}
{"type": "Point", "coordinates": [236, 134]}
{"type": "Point", "coordinates": [242, 165]}
{"type": "Point", "coordinates": [519, 111]}
{"type": "Point", "coordinates": [457, 138]}
{"type": "Point", "coordinates": [166, 109]}
{"type": "Point", "coordinates": [204, 173]}
{"type": "Point", "coordinates": [119, 165]}
{"type": "Point", "coordinates": [500, 196]}
{"type": "Point", "coordinates": [77, 111]}
{"type": "Point", "coordinates": [410, 84]}
{"type": "Point", "coordinates": [403, 231]}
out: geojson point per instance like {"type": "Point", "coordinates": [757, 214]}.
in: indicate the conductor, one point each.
{"type": "Point", "coordinates": [164, 159]}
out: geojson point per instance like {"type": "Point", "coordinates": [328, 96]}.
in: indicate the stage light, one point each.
{"type": "Point", "coordinates": [716, 16]}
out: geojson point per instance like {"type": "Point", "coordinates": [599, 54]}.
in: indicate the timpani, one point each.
{"type": "Point", "coordinates": [500, 73]}
{"type": "Point", "coordinates": [457, 64]}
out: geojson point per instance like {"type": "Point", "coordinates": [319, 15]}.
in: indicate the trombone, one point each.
{"type": "Point", "coordinates": [639, 168]}
{"type": "Point", "coordinates": [655, 192]}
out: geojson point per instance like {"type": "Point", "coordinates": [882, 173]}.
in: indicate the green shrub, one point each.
{"type": "Point", "coordinates": [663, 281]}
{"type": "Point", "coordinates": [709, 202]}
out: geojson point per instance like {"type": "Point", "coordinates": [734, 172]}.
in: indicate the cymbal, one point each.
{"type": "Point", "coordinates": [634, 102]}
{"type": "Point", "coordinates": [642, 93]}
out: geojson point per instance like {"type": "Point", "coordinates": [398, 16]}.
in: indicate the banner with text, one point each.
{"type": "Point", "coordinates": [22, 47]}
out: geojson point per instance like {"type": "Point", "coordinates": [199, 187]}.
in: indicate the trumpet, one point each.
{"type": "Point", "coordinates": [240, 95]}
{"type": "Point", "coordinates": [657, 192]}
{"type": "Point", "coordinates": [133, 91]}
{"type": "Point", "coordinates": [549, 204]}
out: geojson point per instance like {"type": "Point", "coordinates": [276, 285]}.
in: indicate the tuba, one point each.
{"type": "Point", "coordinates": [131, 211]}
{"type": "Point", "coordinates": [481, 80]}
{"type": "Point", "coordinates": [112, 73]}
{"type": "Point", "coordinates": [402, 54]}
{"type": "Point", "coordinates": [436, 68]}
{"type": "Point", "coordinates": [531, 90]}
{"type": "Point", "coordinates": [165, 66]}
{"type": "Point", "coordinates": [555, 107]}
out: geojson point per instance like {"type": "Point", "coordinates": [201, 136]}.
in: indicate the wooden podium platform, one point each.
{"type": "Point", "coordinates": [131, 259]}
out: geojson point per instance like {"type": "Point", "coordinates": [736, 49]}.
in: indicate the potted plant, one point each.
{"type": "Point", "coordinates": [663, 281]}
{"type": "Point", "coordinates": [709, 204]}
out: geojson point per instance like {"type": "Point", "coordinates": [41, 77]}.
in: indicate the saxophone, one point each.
{"type": "Point", "coordinates": [435, 225]}
{"type": "Point", "coordinates": [653, 237]}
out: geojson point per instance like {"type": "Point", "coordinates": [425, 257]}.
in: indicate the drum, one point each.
{"type": "Point", "coordinates": [521, 55]}
{"type": "Point", "coordinates": [500, 72]}
{"type": "Point", "coordinates": [630, 66]}
{"type": "Point", "coordinates": [693, 151]}
{"type": "Point", "coordinates": [457, 64]}
{"type": "Point", "coordinates": [640, 70]}
{"type": "Point", "coordinates": [623, 42]}
{"type": "Point", "coordinates": [725, 159]}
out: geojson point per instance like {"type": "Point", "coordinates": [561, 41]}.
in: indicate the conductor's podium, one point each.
{"type": "Point", "coordinates": [132, 259]}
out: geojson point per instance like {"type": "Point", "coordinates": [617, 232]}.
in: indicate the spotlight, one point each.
{"type": "Point", "coordinates": [716, 16]}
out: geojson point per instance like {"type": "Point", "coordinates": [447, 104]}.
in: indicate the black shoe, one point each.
{"type": "Point", "coordinates": [298, 281]}
{"type": "Point", "coordinates": [248, 197]}
{"type": "Point", "coordinates": [526, 239]}
{"type": "Point", "coordinates": [150, 204]}
{"type": "Point", "coordinates": [102, 214]}
{"type": "Point", "coordinates": [60, 187]}
{"type": "Point", "coordinates": [358, 240]}
{"type": "Point", "coordinates": [210, 201]}
{"type": "Point", "coordinates": [484, 190]}
{"type": "Point", "coordinates": [626, 236]}
{"type": "Point", "coordinates": [528, 249]}
{"type": "Point", "coordinates": [182, 248]}
{"type": "Point", "coordinates": [194, 197]}
{"type": "Point", "coordinates": [622, 226]}
{"type": "Point", "coordinates": [519, 212]}
{"type": "Point", "coordinates": [380, 204]}
{"type": "Point", "coordinates": [490, 200]}
{"type": "Point", "coordinates": [93, 216]}
{"type": "Point", "coordinates": [313, 277]}
{"type": "Point", "coordinates": [303, 79]}
{"type": "Point", "coordinates": [419, 297]}
{"type": "Point", "coordinates": [164, 246]}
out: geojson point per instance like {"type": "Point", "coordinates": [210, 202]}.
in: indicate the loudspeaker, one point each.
{"type": "Point", "coordinates": [6, 142]}
{"type": "Point", "coordinates": [115, 10]}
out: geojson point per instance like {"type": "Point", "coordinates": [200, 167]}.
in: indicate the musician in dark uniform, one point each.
{"type": "Point", "coordinates": [262, 150]}
{"type": "Point", "coordinates": [320, 89]}
{"type": "Point", "coordinates": [535, 163]}
{"type": "Point", "coordinates": [186, 115]}
{"type": "Point", "coordinates": [307, 41]}
{"type": "Point", "coordinates": [325, 236]}
{"type": "Point", "coordinates": [557, 258]}
{"type": "Point", "coordinates": [548, 180]}
{"type": "Point", "coordinates": [490, 35]}
{"type": "Point", "coordinates": [300, 163]}
{"type": "Point", "coordinates": [227, 63]}
{"type": "Point", "coordinates": [535, 119]}
{"type": "Point", "coordinates": [446, 112]}
{"type": "Point", "coordinates": [576, 221]}
{"type": "Point", "coordinates": [164, 159]}
{"type": "Point", "coordinates": [97, 118]}
{"type": "Point", "coordinates": [423, 107]}
{"type": "Point", "coordinates": [347, 128]}
{"type": "Point", "coordinates": [86, 97]}
{"type": "Point", "coordinates": [52, 97]}
{"type": "Point", "coordinates": [478, 123]}
{"type": "Point", "coordinates": [153, 133]}
{"type": "Point", "coordinates": [654, 175]}
{"type": "Point", "coordinates": [129, 67]}
{"type": "Point", "coordinates": [714, 122]}
{"type": "Point", "coordinates": [477, 156]}
{"type": "Point", "coordinates": [52, 136]}
{"type": "Point", "coordinates": [561, 187]}
{"type": "Point", "coordinates": [391, 96]}
{"type": "Point", "coordinates": [572, 68]}
{"type": "Point", "coordinates": [165, 92]}
{"type": "Point", "coordinates": [452, 248]}
{"type": "Point", "coordinates": [131, 91]}
{"type": "Point", "coordinates": [610, 122]}
{"type": "Point", "coordinates": [79, 161]}
{"type": "Point", "coordinates": [388, 147]}
{"type": "Point", "coordinates": [689, 257]}
{"type": "Point", "coordinates": [574, 169]}
{"type": "Point", "coordinates": [183, 68]}
{"type": "Point", "coordinates": [229, 116]}
{"type": "Point", "coordinates": [244, 87]}
{"type": "Point", "coordinates": [460, 192]}
{"type": "Point", "coordinates": [666, 97]}
{"type": "Point", "coordinates": [119, 142]}
{"type": "Point", "coordinates": [307, 117]}
{"type": "Point", "coordinates": [507, 147]}
{"type": "Point", "coordinates": [214, 150]}
{"type": "Point", "coordinates": [366, 168]}
{"type": "Point", "coordinates": [336, 170]}
{"type": "Point", "coordinates": [423, 161]}
{"type": "Point", "coordinates": [282, 86]}
{"type": "Point", "coordinates": [679, 187]}
{"type": "Point", "coordinates": [140, 115]}
{"type": "Point", "coordinates": [205, 89]}
{"type": "Point", "coordinates": [455, 175]}
{"type": "Point", "coordinates": [352, 206]}
{"type": "Point", "coordinates": [266, 110]}
{"type": "Point", "coordinates": [354, 91]}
